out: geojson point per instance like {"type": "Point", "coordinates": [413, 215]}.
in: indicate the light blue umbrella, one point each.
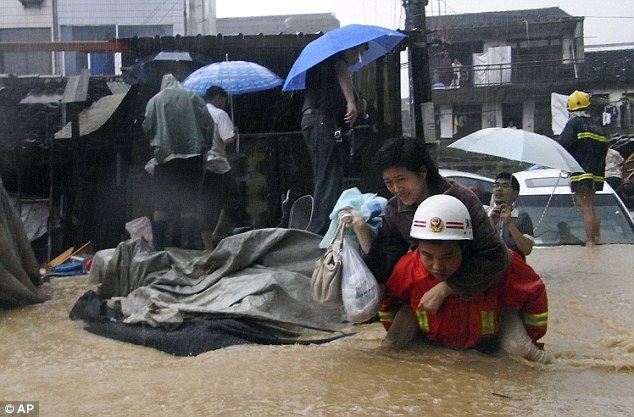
{"type": "Point", "coordinates": [380, 42]}
{"type": "Point", "coordinates": [236, 77]}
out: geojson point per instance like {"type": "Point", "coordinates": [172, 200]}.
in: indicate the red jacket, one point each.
{"type": "Point", "coordinates": [461, 324]}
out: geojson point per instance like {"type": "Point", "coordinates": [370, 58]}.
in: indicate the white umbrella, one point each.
{"type": "Point", "coordinates": [519, 145]}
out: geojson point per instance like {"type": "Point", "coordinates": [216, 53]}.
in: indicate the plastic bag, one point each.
{"type": "Point", "coordinates": [360, 291]}
{"type": "Point", "coordinates": [140, 228]}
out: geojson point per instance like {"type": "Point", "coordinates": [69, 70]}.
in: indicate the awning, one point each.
{"type": "Point", "coordinates": [38, 97]}
{"type": "Point", "coordinates": [93, 117]}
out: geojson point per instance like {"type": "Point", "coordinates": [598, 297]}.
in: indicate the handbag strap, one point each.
{"type": "Point", "coordinates": [338, 235]}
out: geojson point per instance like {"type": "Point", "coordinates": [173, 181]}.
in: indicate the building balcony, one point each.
{"type": "Point", "coordinates": [515, 73]}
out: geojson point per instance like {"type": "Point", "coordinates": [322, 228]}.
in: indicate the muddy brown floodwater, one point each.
{"type": "Point", "coordinates": [46, 357]}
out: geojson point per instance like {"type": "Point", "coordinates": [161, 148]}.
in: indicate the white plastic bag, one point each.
{"type": "Point", "coordinates": [140, 228]}
{"type": "Point", "coordinates": [360, 291]}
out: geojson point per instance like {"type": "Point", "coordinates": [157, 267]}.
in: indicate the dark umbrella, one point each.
{"type": "Point", "coordinates": [150, 70]}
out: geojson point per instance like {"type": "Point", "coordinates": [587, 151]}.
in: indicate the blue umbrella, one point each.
{"type": "Point", "coordinates": [380, 42]}
{"type": "Point", "coordinates": [236, 77]}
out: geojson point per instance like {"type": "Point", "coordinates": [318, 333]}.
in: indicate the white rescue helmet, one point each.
{"type": "Point", "coordinates": [442, 217]}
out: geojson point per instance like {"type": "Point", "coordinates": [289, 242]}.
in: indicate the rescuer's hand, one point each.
{"type": "Point", "coordinates": [432, 300]}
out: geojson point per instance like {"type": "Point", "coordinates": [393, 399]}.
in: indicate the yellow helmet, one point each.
{"type": "Point", "coordinates": [578, 100]}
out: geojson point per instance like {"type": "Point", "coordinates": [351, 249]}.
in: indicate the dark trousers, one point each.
{"type": "Point", "coordinates": [220, 191]}
{"type": "Point", "coordinates": [177, 185]}
{"type": "Point", "coordinates": [327, 162]}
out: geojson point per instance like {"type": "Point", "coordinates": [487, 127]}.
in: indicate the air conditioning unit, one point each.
{"type": "Point", "coordinates": [31, 3]}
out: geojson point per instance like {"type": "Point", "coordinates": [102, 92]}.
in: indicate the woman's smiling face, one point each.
{"type": "Point", "coordinates": [408, 186]}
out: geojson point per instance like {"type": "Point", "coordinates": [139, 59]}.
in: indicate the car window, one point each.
{"type": "Point", "coordinates": [561, 222]}
{"type": "Point", "coordinates": [481, 188]}
{"type": "Point", "coordinates": [547, 182]}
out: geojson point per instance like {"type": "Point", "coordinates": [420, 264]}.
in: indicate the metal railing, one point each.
{"type": "Point", "coordinates": [513, 73]}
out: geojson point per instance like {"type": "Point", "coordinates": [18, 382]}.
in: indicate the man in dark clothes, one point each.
{"type": "Point", "coordinates": [329, 107]}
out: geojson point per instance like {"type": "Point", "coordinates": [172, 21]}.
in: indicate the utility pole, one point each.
{"type": "Point", "coordinates": [57, 56]}
{"type": "Point", "coordinates": [421, 106]}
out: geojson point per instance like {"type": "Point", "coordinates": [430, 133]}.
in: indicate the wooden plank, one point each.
{"type": "Point", "coordinates": [76, 90]}
{"type": "Point", "coordinates": [77, 46]}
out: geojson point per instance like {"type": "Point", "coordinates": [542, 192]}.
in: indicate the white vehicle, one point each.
{"type": "Point", "coordinates": [482, 186]}
{"type": "Point", "coordinates": [545, 195]}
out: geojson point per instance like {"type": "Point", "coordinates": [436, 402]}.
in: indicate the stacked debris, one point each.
{"type": "Point", "coordinates": [29, 114]}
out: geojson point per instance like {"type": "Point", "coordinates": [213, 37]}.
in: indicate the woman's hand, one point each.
{"type": "Point", "coordinates": [358, 225]}
{"type": "Point", "coordinates": [352, 218]}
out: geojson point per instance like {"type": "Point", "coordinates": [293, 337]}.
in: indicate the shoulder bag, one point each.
{"type": "Point", "coordinates": [325, 282]}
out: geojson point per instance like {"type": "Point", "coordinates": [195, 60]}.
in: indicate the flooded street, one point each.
{"type": "Point", "coordinates": [46, 357]}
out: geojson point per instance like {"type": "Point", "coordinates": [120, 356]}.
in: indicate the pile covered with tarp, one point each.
{"type": "Point", "coordinates": [253, 288]}
{"type": "Point", "coordinates": [19, 271]}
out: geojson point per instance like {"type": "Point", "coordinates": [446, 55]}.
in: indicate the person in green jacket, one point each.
{"type": "Point", "coordinates": [180, 130]}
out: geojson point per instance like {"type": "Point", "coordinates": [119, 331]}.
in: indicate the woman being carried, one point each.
{"type": "Point", "coordinates": [411, 176]}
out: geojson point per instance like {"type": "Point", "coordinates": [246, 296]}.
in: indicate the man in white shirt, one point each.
{"type": "Point", "coordinates": [218, 179]}
{"type": "Point", "coordinates": [515, 226]}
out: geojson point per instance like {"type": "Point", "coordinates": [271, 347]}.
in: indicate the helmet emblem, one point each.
{"type": "Point", "coordinates": [435, 224]}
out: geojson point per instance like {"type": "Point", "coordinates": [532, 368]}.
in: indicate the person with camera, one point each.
{"type": "Point", "coordinates": [515, 226]}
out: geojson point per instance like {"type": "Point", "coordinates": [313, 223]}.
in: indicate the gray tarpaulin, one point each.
{"type": "Point", "coordinates": [19, 271]}
{"type": "Point", "coordinates": [262, 274]}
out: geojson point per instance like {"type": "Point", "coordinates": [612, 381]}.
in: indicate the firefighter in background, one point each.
{"type": "Point", "coordinates": [585, 141]}
{"type": "Point", "coordinates": [512, 314]}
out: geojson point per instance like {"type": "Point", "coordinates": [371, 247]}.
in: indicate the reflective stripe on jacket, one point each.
{"type": "Point", "coordinates": [586, 143]}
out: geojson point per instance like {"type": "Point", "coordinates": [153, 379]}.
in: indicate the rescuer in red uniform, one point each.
{"type": "Point", "coordinates": [512, 314]}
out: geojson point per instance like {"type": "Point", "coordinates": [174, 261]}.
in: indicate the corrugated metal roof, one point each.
{"type": "Point", "coordinates": [93, 117]}
{"type": "Point", "coordinates": [43, 97]}
{"type": "Point", "coordinates": [118, 87]}
{"type": "Point", "coordinates": [272, 25]}
{"type": "Point", "coordinates": [501, 18]}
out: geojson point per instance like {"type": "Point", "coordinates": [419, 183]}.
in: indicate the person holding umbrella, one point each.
{"type": "Point", "coordinates": [217, 178]}
{"type": "Point", "coordinates": [585, 141]}
{"type": "Point", "coordinates": [323, 69]}
{"type": "Point", "coordinates": [329, 110]}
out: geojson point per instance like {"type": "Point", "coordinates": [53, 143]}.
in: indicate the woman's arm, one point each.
{"type": "Point", "coordinates": [382, 252]}
{"type": "Point", "coordinates": [488, 257]}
